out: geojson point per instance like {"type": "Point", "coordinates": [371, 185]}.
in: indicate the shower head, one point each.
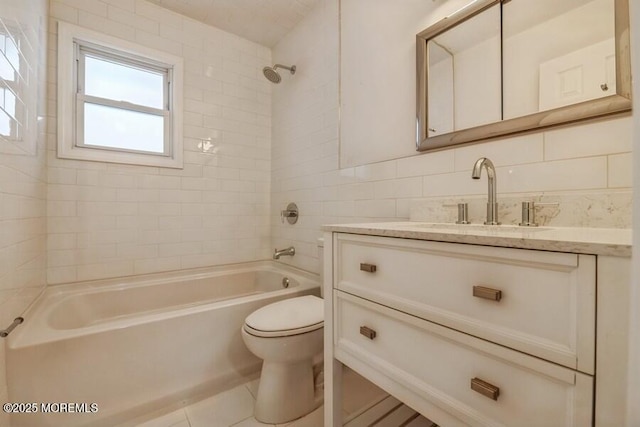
{"type": "Point", "coordinates": [272, 75]}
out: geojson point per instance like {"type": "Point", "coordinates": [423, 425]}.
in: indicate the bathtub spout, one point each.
{"type": "Point", "coordinates": [290, 251]}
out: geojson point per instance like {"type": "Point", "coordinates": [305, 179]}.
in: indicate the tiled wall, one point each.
{"type": "Point", "coordinates": [592, 158]}
{"type": "Point", "coordinates": [305, 132]}
{"type": "Point", "coordinates": [22, 168]}
{"type": "Point", "coordinates": [109, 220]}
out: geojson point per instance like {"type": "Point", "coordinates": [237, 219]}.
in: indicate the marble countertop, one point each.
{"type": "Point", "coordinates": [597, 241]}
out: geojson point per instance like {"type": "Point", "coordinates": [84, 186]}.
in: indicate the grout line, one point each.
{"type": "Point", "coordinates": [186, 415]}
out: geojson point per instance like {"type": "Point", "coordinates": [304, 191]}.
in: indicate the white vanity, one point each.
{"type": "Point", "coordinates": [480, 325]}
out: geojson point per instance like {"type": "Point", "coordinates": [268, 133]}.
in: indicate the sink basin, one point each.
{"type": "Point", "coordinates": [476, 227]}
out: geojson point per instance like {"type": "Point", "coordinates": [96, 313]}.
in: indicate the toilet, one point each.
{"type": "Point", "coordinates": [286, 335]}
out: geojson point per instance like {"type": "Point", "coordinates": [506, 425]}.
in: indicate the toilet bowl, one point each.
{"type": "Point", "coordinates": [286, 335]}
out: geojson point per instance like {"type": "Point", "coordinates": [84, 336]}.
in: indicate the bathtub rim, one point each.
{"type": "Point", "coordinates": [36, 316]}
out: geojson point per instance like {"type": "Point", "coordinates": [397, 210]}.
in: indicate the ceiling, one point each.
{"type": "Point", "coordinates": [262, 21]}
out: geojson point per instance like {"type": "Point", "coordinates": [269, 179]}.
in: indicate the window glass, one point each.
{"type": "Point", "coordinates": [122, 82]}
{"type": "Point", "coordinates": [9, 58]}
{"type": "Point", "coordinates": [123, 129]}
{"type": "Point", "coordinates": [5, 124]}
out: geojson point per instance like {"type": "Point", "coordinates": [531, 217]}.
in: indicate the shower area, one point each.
{"type": "Point", "coordinates": [67, 221]}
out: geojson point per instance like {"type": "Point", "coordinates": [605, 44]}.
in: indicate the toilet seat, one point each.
{"type": "Point", "coordinates": [292, 316]}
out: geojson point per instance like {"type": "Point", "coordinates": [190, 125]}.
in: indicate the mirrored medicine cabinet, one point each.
{"type": "Point", "coordinates": [502, 67]}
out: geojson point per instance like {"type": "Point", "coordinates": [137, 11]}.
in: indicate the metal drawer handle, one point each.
{"type": "Point", "coordinates": [367, 332]}
{"type": "Point", "coordinates": [487, 293]}
{"type": "Point", "coordinates": [485, 389]}
{"type": "Point", "coordinates": [369, 268]}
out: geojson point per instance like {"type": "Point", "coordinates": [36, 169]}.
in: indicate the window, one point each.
{"type": "Point", "coordinates": [21, 68]}
{"type": "Point", "coordinates": [118, 102]}
{"type": "Point", "coordinates": [11, 108]}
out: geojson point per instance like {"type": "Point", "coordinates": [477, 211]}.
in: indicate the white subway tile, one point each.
{"type": "Point", "coordinates": [63, 12]}
{"type": "Point", "coordinates": [58, 275]}
{"type": "Point", "coordinates": [453, 184]}
{"type": "Point", "coordinates": [137, 251]}
{"type": "Point", "coordinates": [426, 164]}
{"type": "Point", "coordinates": [105, 270]}
{"type": "Point", "coordinates": [62, 176]}
{"type": "Point", "coordinates": [398, 188]}
{"type": "Point", "coordinates": [376, 171]}
{"type": "Point", "coordinates": [591, 139]}
{"type": "Point", "coordinates": [127, 17]}
{"type": "Point", "coordinates": [128, 5]}
{"type": "Point", "coordinates": [184, 36]}
{"type": "Point", "coordinates": [158, 182]}
{"type": "Point", "coordinates": [156, 42]}
{"type": "Point", "coordinates": [104, 25]}
{"type": "Point", "coordinates": [61, 241]}
{"type": "Point", "coordinates": [156, 13]}
{"type": "Point", "coordinates": [576, 174]}
{"type": "Point", "coordinates": [56, 208]}
{"type": "Point", "coordinates": [357, 191]}
{"type": "Point", "coordinates": [345, 208]}
{"type": "Point", "coordinates": [153, 265]}
{"type": "Point", "coordinates": [337, 177]}
{"type": "Point", "coordinates": [375, 208]}
{"type": "Point", "coordinates": [620, 170]}
{"type": "Point", "coordinates": [509, 151]}
{"type": "Point", "coordinates": [96, 7]}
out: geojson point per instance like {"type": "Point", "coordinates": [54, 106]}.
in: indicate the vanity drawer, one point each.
{"type": "Point", "coordinates": [453, 378]}
{"type": "Point", "coordinates": [541, 303]}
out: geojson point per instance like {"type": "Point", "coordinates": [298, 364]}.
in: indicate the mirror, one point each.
{"type": "Point", "coordinates": [545, 66]}
{"type": "Point", "coordinates": [457, 63]}
{"type": "Point", "coordinates": [501, 67]}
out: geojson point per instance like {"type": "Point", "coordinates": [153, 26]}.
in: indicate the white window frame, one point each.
{"type": "Point", "coordinates": [73, 43]}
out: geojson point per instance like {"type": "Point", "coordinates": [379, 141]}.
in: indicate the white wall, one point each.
{"type": "Point", "coordinates": [109, 220]}
{"type": "Point", "coordinates": [23, 178]}
{"type": "Point", "coordinates": [377, 76]}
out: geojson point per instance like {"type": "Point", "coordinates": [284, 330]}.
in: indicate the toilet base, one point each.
{"type": "Point", "coordinates": [286, 392]}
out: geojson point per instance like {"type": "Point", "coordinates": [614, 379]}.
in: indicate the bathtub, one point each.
{"type": "Point", "coordinates": [140, 345]}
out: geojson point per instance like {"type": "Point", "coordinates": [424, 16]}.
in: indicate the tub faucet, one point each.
{"type": "Point", "coordinates": [290, 251]}
{"type": "Point", "coordinates": [492, 204]}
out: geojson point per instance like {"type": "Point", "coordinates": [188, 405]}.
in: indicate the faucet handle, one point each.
{"type": "Point", "coordinates": [291, 214]}
{"type": "Point", "coordinates": [529, 212]}
{"type": "Point", "coordinates": [463, 212]}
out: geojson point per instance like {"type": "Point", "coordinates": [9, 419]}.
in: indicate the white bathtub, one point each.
{"type": "Point", "coordinates": [136, 346]}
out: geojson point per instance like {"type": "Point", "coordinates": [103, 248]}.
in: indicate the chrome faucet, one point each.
{"type": "Point", "coordinates": [290, 251]}
{"type": "Point", "coordinates": [492, 204]}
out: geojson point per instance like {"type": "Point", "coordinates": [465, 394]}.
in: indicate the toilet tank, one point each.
{"type": "Point", "coordinates": [321, 264]}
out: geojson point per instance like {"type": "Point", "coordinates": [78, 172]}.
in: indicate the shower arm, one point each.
{"type": "Point", "coordinates": [292, 69]}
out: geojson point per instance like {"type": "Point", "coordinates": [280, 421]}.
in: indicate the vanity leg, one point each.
{"type": "Point", "coordinates": [332, 367]}
{"type": "Point", "coordinates": [332, 393]}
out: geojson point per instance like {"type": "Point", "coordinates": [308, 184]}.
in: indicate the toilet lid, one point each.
{"type": "Point", "coordinates": [288, 317]}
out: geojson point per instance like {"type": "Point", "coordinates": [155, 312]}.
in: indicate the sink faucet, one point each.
{"type": "Point", "coordinates": [492, 205]}
{"type": "Point", "coordinates": [290, 251]}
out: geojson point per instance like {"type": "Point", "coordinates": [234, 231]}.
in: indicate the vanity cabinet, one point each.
{"type": "Point", "coordinates": [474, 335]}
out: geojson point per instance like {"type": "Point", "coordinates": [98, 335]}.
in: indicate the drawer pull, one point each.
{"type": "Point", "coordinates": [367, 332]}
{"type": "Point", "coordinates": [485, 389]}
{"type": "Point", "coordinates": [369, 268]}
{"type": "Point", "coordinates": [487, 293]}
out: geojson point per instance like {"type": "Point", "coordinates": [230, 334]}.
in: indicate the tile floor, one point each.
{"type": "Point", "coordinates": [235, 408]}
